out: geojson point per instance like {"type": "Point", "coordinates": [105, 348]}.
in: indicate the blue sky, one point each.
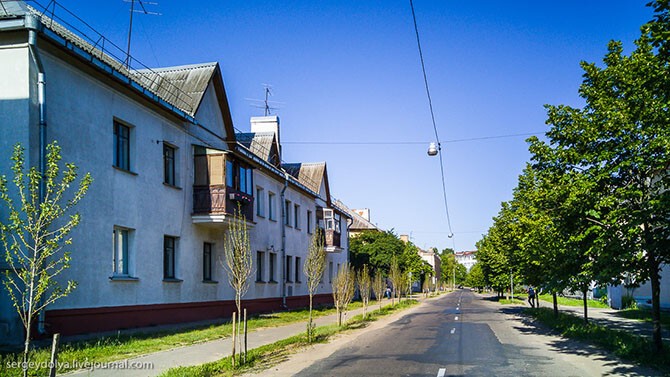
{"type": "Point", "coordinates": [349, 71]}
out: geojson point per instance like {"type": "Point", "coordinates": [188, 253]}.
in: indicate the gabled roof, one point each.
{"type": "Point", "coordinates": [190, 79]}
{"type": "Point", "coordinates": [310, 174]}
{"type": "Point", "coordinates": [262, 144]}
{"type": "Point", "coordinates": [12, 9]}
{"type": "Point", "coordinates": [359, 223]}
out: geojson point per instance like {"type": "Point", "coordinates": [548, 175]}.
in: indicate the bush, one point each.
{"type": "Point", "coordinates": [628, 302]}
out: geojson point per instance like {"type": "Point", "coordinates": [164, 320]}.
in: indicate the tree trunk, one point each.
{"type": "Point", "coordinates": [245, 335]}
{"type": "Point", "coordinates": [586, 307]}
{"type": "Point", "coordinates": [233, 356]}
{"type": "Point", "coordinates": [555, 304]}
{"type": "Point", "coordinates": [309, 323]}
{"type": "Point", "coordinates": [655, 301]}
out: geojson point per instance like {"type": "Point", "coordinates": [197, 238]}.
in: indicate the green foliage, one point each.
{"type": "Point", "coordinates": [375, 249]}
{"type": "Point", "coordinates": [594, 203]}
{"type": "Point", "coordinates": [36, 231]}
{"type": "Point", "coordinates": [475, 277]}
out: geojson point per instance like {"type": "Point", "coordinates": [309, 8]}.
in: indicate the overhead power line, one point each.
{"type": "Point", "coordinates": [348, 142]}
{"type": "Point", "coordinates": [432, 116]}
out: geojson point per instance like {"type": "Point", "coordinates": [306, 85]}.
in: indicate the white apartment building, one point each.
{"type": "Point", "coordinates": [168, 174]}
{"type": "Point", "coordinates": [466, 258]}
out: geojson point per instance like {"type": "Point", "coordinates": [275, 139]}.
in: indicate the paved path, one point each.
{"type": "Point", "coordinates": [202, 353]}
{"type": "Point", "coordinates": [612, 319]}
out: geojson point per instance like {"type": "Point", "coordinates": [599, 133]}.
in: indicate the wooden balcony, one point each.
{"type": "Point", "coordinates": [209, 199]}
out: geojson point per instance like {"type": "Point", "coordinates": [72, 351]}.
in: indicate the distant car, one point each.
{"type": "Point", "coordinates": [460, 287]}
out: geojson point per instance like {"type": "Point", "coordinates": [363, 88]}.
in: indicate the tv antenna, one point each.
{"type": "Point", "coordinates": [143, 10]}
{"type": "Point", "coordinates": [266, 104]}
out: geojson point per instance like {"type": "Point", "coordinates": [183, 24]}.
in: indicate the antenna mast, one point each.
{"type": "Point", "coordinates": [130, 23]}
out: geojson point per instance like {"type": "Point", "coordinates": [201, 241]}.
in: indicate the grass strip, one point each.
{"type": "Point", "coordinates": [112, 348]}
{"type": "Point", "coordinates": [566, 301]}
{"type": "Point", "coordinates": [515, 301]}
{"type": "Point", "coordinates": [643, 315]}
{"type": "Point", "coordinates": [266, 356]}
{"type": "Point", "coordinates": [626, 345]}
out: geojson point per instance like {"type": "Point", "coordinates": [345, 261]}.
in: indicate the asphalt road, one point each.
{"type": "Point", "coordinates": [462, 334]}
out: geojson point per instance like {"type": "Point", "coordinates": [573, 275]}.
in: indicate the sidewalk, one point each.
{"type": "Point", "coordinates": [609, 318]}
{"type": "Point", "coordinates": [206, 352]}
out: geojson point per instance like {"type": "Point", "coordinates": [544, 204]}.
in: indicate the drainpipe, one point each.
{"type": "Point", "coordinates": [33, 24]}
{"type": "Point", "coordinates": [283, 240]}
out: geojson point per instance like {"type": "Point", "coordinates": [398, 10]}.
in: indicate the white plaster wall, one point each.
{"type": "Point", "coordinates": [209, 112]}
{"type": "Point", "coordinates": [80, 112]}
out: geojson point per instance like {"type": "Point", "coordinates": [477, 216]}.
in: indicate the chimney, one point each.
{"type": "Point", "coordinates": [404, 238]}
{"type": "Point", "coordinates": [364, 213]}
{"type": "Point", "coordinates": [268, 123]}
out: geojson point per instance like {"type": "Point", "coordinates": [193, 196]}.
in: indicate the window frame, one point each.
{"type": "Point", "coordinates": [169, 165]}
{"type": "Point", "coordinates": [169, 258]}
{"type": "Point", "coordinates": [121, 151]}
{"type": "Point", "coordinates": [272, 267]}
{"type": "Point", "coordinates": [260, 201]}
{"type": "Point", "coordinates": [272, 215]}
{"type": "Point", "coordinates": [287, 212]}
{"type": "Point", "coordinates": [297, 270]}
{"type": "Point", "coordinates": [296, 216]}
{"type": "Point", "coordinates": [260, 264]}
{"type": "Point", "coordinates": [310, 226]}
{"type": "Point", "coordinates": [207, 248]}
{"type": "Point", "coordinates": [124, 263]}
{"type": "Point", "coordinates": [289, 261]}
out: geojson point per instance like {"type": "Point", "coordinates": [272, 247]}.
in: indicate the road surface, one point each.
{"type": "Point", "coordinates": [460, 334]}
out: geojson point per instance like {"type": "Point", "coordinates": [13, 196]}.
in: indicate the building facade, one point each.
{"type": "Point", "coordinates": [466, 258]}
{"type": "Point", "coordinates": [169, 175]}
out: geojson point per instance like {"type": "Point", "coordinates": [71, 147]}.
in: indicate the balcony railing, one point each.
{"type": "Point", "coordinates": [209, 199]}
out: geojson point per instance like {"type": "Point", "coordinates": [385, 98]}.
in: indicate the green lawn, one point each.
{"type": "Point", "coordinates": [264, 357]}
{"type": "Point", "coordinates": [624, 344]}
{"type": "Point", "coordinates": [644, 315]}
{"type": "Point", "coordinates": [125, 346]}
{"type": "Point", "coordinates": [516, 301]}
{"type": "Point", "coordinates": [573, 301]}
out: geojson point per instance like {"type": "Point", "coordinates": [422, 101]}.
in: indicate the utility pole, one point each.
{"type": "Point", "coordinates": [511, 283]}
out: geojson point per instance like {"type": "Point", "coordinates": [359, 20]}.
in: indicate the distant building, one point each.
{"type": "Point", "coordinates": [433, 259]}
{"type": "Point", "coordinates": [466, 258]}
{"type": "Point", "coordinates": [360, 219]}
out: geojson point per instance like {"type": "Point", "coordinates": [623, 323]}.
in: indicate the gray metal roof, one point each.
{"type": "Point", "coordinates": [261, 144]}
{"type": "Point", "coordinates": [309, 174]}
{"type": "Point", "coordinates": [190, 79]}
{"type": "Point", "coordinates": [359, 223]}
{"type": "Point", "coordinates": [11, 9]}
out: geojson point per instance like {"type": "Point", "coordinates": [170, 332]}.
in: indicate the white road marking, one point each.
{"type": "Point", "coordinates": [456, 319]}
{"type": "Point", "coordinates": [441, 372]}
{"type": "Point", "coordinates": [453, 330]}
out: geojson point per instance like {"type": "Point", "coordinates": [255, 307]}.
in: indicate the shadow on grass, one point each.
{"type": "Point", "coordinates": [594, 340]}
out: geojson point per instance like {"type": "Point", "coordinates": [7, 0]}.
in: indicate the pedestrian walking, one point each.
{"type": "Point", "coordinates": [531, 297]}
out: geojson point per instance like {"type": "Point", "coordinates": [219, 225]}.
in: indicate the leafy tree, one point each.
{"type": "Point", "coordinates": [395, 275]}
{"type": "Point", "coordinates": [313, 269]}
{"type": "Point", "coordinates": [238, 262]}
{"type": "Point", "coordinates": [343, 290]}
{"type": "Point", "coordinates": [475, 278]}
{"type": "Point", "coordinates": [379, 286]}
{"type": "Point", "coordinates": [620, 143]}
{"type": "Point", "coordinates": [36, 233]}
{"type": "Point", "coordinates": [364, 285]}
{"type": "Point", "coordinates": [375, 249]}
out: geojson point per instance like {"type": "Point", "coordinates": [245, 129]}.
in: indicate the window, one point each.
{"type": "Point", "coordinates": [169, 257]}
{"type": "Point", "coordinates": [332, 220]}
{"type": "Point", "coordinates": [169, 165]}
{"type": "Point", "coordinates": [296, 216]}
{"type": "Point", "coordinates": [289, 260]}
{"type": "Point", "coordinates": [271, 206]}
{"type": "Point", "coordinates": [121, 146]}
{"type": "Point", "coordinates": [273, 263]}
{"type": "Point", "coordinates": [260, 202]}
{"type": "Point", "coordinates": [206, 261]}
{"type": "Point", "coordinates": [120, 258]}
{"type": "Point", "coordinates": [287, 213]}
{"type": "Point", "coordinates": [260, 259]}
{"type": "Point", "coordinates": [230, 173]}
{"type": "Point", "coordinates": [297, 269]}
{"type": "Point", "coordinates": [330, 272]}
{"type": "Point", "coordinates": [309, 221]}
{"type": "Point", "coordinates": [239, 177]}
